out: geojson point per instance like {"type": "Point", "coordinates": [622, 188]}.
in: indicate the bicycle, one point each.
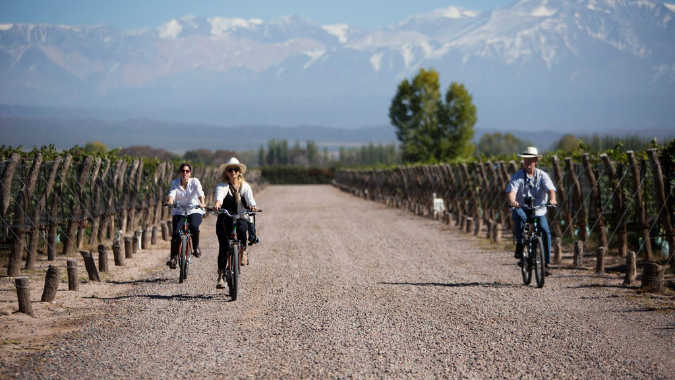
{"type": "Point", "coordinates": [185, 254]}
{"type": "Point", "coordinates": [533, 247]}
{"type": "Point", "coordinates": [234, 252]}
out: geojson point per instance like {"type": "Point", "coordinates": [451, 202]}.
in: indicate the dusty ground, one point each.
{"type": "Point", "coordinates": [341, 287]}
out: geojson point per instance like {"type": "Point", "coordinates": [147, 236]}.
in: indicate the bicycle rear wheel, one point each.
{"type": "Point", "coordinates": [182, 259]}
{"type": "Point", "coordinates": [538, 260]}
{"type": "Point", "coordinates": [234, 273]}
{"type": "Point", "coordinates": [526, 268]}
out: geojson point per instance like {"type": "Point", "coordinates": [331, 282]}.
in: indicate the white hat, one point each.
{"type": "Point", "coordinates": [530, 152]}
{"type": "Point", "coordinates": [233, 162]}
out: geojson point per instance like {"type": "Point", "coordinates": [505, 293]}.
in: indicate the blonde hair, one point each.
{"type": "Point", "coordinates": [237, 191]}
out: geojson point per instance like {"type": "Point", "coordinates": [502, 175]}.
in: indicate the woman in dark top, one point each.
{"type": "Point", "coordinates": [233, 194]}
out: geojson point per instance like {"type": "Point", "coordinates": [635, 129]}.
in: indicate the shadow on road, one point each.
{"type": "Point", "coordinates": [146, 281]}
{"type": "Point", "coordinates": [176, 297]}
{"type": "Point", "coordinates": [455, 285]}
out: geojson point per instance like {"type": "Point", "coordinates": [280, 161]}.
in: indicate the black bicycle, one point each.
{"type": "Point", "coordinates": [234, 252]}
{"type": "Point", "coordinates": [533, 248]}
{"type": "Point", "coordinates": [185, 254]}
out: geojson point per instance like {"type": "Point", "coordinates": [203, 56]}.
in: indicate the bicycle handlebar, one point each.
{"type": "Point", "coordinates": [224, 211]}
{"type": "Point", "coordinates": [526, 207]}
{"type": "Point", "coordinates": [184, 208]}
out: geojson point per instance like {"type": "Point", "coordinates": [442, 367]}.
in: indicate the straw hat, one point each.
{"type": "Point", "coordinates": [233, 162]}
{"type": "Point", "coordinates": [530, 152]}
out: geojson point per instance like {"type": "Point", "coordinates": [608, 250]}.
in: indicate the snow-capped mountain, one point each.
{"type": "Point", "coordinates": [550, 63]}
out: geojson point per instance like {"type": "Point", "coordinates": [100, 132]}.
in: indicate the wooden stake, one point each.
{"type": "Point", "coordinates": [23, 294]}
{"type": "Point", "coordinates": [90, 265]}
{"type": "Point", "coordinates": [145, 239]}
{"type": "Point", "coordinates": [117, 254]}
{"type": "Point", "coordinates": [652, 278]}
{"type": "Point", "coordinates": [600, 261]}
{"type": "Point", "coordinates": [128, 251]}
{"type": "Point", "coordinates": [630, 268]}
{"type": "Point", "coordinates": [557, 251]}
{"type": "Point", "coordinates": [103, 258]}
{"type": "Point", "coordinates": [73, 283]}
{"type": "Point", "coordinates": [51, 284]}
{"type": "Point", "coordinates": [578, 262]}
{"type": "Point", "coordinates": [153, 239]}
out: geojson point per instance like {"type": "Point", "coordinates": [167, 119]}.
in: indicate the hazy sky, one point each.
{"type": "Point", "coordinates": [137, 14]}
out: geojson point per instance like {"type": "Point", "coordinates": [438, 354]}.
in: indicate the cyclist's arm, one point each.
{"type": "Point", "coordinates": [201, 201]}
{"type": "Point", "coordinates": [247, 193]}
{"type": "Point", "coordinates": [512, 199]}
{"type": "Point", "coordinates": [551, 197]}
{"type": "Point", "coordinates": [170, 201]}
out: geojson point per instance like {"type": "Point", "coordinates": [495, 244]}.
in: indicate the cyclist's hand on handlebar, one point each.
{"type": "Point", "coordinates": [254, 209]}
{"type": "Point", "coordinates": [202, 205]}
{"type": "Point", "coordinates": [515, 204]}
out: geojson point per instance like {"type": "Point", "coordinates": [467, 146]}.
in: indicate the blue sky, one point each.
{"type": "Point", "coordinates": [137, 14]}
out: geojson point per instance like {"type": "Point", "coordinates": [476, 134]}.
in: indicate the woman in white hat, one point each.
{"type": "Point", "coordinates": [233, 194]}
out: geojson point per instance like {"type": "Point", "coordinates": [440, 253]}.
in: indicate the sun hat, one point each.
{"type": "Point", "coordinates": [530, 152]}
{"type": "Point", "coordinates": [233, 162]}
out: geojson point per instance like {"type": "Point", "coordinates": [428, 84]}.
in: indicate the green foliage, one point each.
{"type": "Point", "coordinates": [95, 147]}
{"type": "Point", "coordinates": [500, 144]}
{"type": "Point", "coordinates": [294, 175]}
{"type": "Point", "coordinates": [428, 128]}
{"type": "Point", "coordinates": [369, 155]}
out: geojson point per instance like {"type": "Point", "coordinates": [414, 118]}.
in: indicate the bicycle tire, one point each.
{"type": "Point", "coordinates": [539, 262]}
{"type": "Point", "coordinates": [182, 259]}
{"type": "Point", "coordinates": [234, 273]}
{"type": "Point", "coordinates": [526, 268]}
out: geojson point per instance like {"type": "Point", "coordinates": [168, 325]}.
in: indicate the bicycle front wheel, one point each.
{"type": "Point", "coordinates": [182, 259]}
{"type": "Point", "coordinates": [234, 272]}
{"type": "Point", "coordinates": [539, 263]}
{"type": "Point", "coordinates": [526, 268]}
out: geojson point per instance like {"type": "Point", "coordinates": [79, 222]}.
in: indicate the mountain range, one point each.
{"type": "Point", "coordinates": [573, 65]}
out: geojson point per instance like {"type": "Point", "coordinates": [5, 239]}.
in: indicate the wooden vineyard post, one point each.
{"type": "Point", "coordinates": [165, 232]}
{"type": "Point", "coordinates": [128, 251]}
{"type": "Point", "coordinates": [596, 207]}
{"type": "Point", "coordinates": [578, 199]}
{"type": "Point", "coordinates": [600, 261]}
{"type": "Point", "coordinates": [37, 213]}
{"type": "Point", "coordinates": [51, 284]}
{"type": "Point", "coordinates": [478, 226]}
{"type": "Point", "coordinates": [136, 241]}
{"type": "Point", "coordinates": [560, 197]}
{"type": "Point", "coordinates": [6, 188]}
{"type": "Point", "coordinates": [169, 229]}
{"type": "Point", "coordinates": [117, 253]}
{"type": "Point", "coordinates": [630, 268]}
{"type": "Point", "coordinates": [497, 233]}
{"type": "Point", "coordinates": [145, 239]}
{"type": "Point", "coordinates": [21, 209]}
{"type": "Point", "coordinates": [661, 204]}
{"type": "Point", "coordinates": [90, 265]}
{"type": "Point", "coordinates": [578, 262]}
{"type": "Point", "coordinates": [73, 223]}
{"type": "Point", "coordinates": [643, 226]}
{"type": "Point", "coordinates": [619, 205]}
{"type": "Point", "coordinates": [652, 278]}
{"type": "Point", "coordinates": [23, 294]}
{"type": "Point", "coordinates": [488, 234]}
{"type": "Point", "coordinates": [153, 239]}
{"type": "Point", "coordinates": [73, 283]}
{"type": "Point", "coordinates": [557, 250]}
{"type": "Point", "coordinates": [469, 225]}
{"type": "Point", "coordinates": [102, 258]}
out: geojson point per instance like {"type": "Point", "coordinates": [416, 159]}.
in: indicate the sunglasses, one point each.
{"type": "Point", "coordinates": [232, 170]}
{"type": "Point", "coordinates": [185, 171]}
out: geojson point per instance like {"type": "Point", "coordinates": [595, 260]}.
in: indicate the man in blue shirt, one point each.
{"type": "Point", "coordinates": [531, 182]}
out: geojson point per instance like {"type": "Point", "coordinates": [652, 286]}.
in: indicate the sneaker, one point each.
{"type": "Point", "coordinates": [253, 240]}
{"type": "Point", "coordinates": [197, 252]}
{"type": "Point", "coordinates": [171, 263]}
{"type": "Point", "coordinates": [519, 251]}
{"type": "Point", "coordinates": [221, 281]}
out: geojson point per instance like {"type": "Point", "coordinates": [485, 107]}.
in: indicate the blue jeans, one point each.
{"type": "Point", "coordinates": [519, 220]}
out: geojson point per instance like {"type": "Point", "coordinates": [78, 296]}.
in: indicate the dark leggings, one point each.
{"type": "Point", "coordinates": [178, 221]}
{"type": "Point", "coordinates": [224, 231]}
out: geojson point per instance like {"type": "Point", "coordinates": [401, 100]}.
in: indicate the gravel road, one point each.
{"type": "Point", "coordinates": [340, 287]}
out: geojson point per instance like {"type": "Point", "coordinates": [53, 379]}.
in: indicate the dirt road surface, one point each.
{"type": "Point", "coordinates": [340, 287]}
